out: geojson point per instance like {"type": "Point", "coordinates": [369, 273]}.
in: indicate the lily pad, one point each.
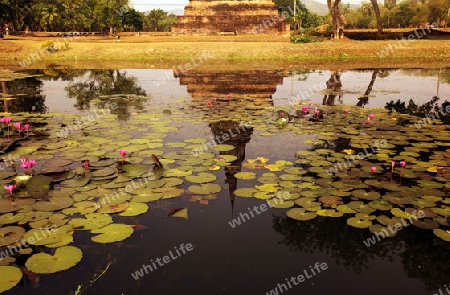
{"type": "Point", "coordinates": [203, 177]}
{"type": "Point", "coordinates": [112, 233]}
{"type": "Point", "coordinates": [300, 214]}
{"type": "Point", "coordinates": [205, 189]}
{"type": "Point", "coordinates": [38, 186]}
{"type": "Point", "coordinates": [135, 209]}
{"type": "Point", "coordinates": [10, 276]}
{"type": "Point", "coordinates": [64, 258]}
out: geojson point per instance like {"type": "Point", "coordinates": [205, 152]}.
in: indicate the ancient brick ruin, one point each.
{"type": "Point", "coordinates": [257, 85]}
{"type": "Point", "coordinates": [235, 17]}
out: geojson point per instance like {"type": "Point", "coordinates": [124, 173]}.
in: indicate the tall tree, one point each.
{"type": "Point", "coordinates": [389, 4]}
{"type": "Point", "coordinates": [376, 9]}
{"type": "Point", "coordinates": [155, 19]}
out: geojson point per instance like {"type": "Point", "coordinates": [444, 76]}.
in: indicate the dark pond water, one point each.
{"type": "Point", "coordinates": [261, 254]}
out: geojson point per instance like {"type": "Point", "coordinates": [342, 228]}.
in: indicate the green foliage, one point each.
{"type": "Point", "coordinates": [159, 21]}
{"type": "Point", "coordinates": [49, 46]}
{"type": "Point", "coordinates": [305, 39]}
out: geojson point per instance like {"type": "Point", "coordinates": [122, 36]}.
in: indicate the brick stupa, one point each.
{"type": "Point", "coordinates": [235, 17]}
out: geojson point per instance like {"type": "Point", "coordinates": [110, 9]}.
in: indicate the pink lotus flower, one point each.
{"type": "Point", "coordinates": [123, 153]}
{"type": "Point", "coordinates": [374, 169]}
{"type": "Point", "coordinates": [86, 164]}
{"type": "Point", "coordinates": [305, 109]}
{"type": "Point", "coordinates": [25, 127]}
{"type": "Point", "coordinates": [316, 111]}
{"type": "Point", "coordinates": [403, 163]}
{"type": "Point", "coordinates": [365, 123]}
{"type": "Point", "coordinates": [10, 188]}
{"type": "Point", "coordinates": [346, 111]}
{"type": "Point", "coordinates": [6, 120]}
{"type": "Point", "coordinates": [28, 164]}
{"type": "Point", "coordinates": [228, 95]}
{"type": "Point", "coordinates": [209, 104]}
{"type": "Point", "coordinates": [18, 126]}
{"type": "Point", "coordinates": [371, 116]}
{"type": "Point", "coordinates": [310, 103]}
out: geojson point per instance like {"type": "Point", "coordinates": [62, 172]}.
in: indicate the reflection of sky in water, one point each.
{"type": "Point", "coordinates": [399, 84]}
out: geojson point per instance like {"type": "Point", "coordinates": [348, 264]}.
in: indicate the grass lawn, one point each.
{"type": "Point", "coordinates": [224, 51]}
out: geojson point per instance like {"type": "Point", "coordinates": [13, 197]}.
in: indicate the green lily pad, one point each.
{"type": "Point", "coordinates": [300, 214]}
{"type": "Point", "coordinates": [134, 170]}
{"type": "Point", "coordinates": [92, 221]}
{"type": "Point", "coordinates": [112, 233]}
{"type": "Point", "coordinates": [64, 258]}
{"type": "Point", "coordinates": [223, 147]}
{"type": "Point", "coordinates": [38, 186]}
{"type": "Point", "coordinates": [359, 223]}
{"type": "Point", "coordinates": [53, 204]}
{"type": "Point", "coordinates": [245, 175]}
{"type": "Point", "coordinates": [203, 177]}
{"type": "Point", "coordinates": [10, 276]}
{"type": "Point", "coordinates": [78, 182]}
{"type": "Point", "coordinates": [183, 213]}
{"type": "Point", "coordinates": [170, 192]}
{"type": "Point", "coordinates": [205, 189]}
{"type": "Point", "coordinates": [10, 218]}
{"type": "Point", "coordinates": [135, 209]}
{"type": "Point", "coordinates": [177, 172]}
{"type": "Point", "coordinates": [443, 234]}
{"type": "Point", "coordinates": [10, 234]}
{"type": "Point", "coordinates": [245, 192]}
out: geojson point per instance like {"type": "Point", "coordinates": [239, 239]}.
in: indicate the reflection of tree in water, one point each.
{"type": "Point", "coordinates": [422, 253]}
{"type": "Point", "coordinates": [334, 89]}
{"type": "Point", "coordinates": [103, 84]}
{"type": "Point", "coordinates": [239, 136]}
{"type": "Point", "coordinates": [27, 93]}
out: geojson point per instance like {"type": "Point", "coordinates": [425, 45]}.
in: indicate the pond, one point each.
{"type": "Point", "coordinates": [259, 181]}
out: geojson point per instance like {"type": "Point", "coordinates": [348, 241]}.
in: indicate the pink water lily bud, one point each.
{"type": "Point", "coordinates": [86, 164]}
{"type": "Point", "coordinates": [10, 188]}
{"type": "Point", "coordinates": [371, 116]}
{"type": "Point", "coordinates": [346, 111]}
{"type": "Point", "coordinates": [403, 163]}
{"type": "Point", "coordinates": [6, 120]}
{"type": "Point", "coordinates": [373, 169]}
{"type": "Point", "coordinates": [393, 164]}
{"type": "Point", "coordinates": [123, 152]}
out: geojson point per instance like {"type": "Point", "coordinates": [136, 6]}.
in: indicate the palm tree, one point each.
{"type": "Point", "coordinates": [49, 14]}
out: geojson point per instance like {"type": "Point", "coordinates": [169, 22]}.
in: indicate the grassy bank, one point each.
{"type": "Point", "coordinates": [168, 51]}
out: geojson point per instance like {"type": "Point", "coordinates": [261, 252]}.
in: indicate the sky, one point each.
{"type": "Point", "coordinates": [169, 5]}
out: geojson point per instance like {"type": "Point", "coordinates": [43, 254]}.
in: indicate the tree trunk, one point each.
{"type": "Point", "coordinates": [110, 30]}
{"type": "Point", "coordinates": [337, 25]}
{"type": "Point", "coordinates": [376, 9]}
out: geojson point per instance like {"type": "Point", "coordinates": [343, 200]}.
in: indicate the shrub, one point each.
{"type": "Point", "coordinates": [49, 46]}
